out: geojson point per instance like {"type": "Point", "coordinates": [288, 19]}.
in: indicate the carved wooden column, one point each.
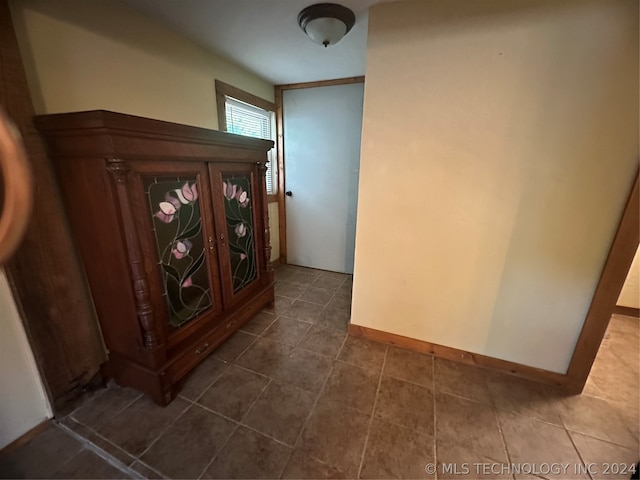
{"type": "Point", "coordinates": [48, 284]}
{"type": "Point", "coordinates": [262, 170]}
{"type": "Point", "coordinates": [144, 307]}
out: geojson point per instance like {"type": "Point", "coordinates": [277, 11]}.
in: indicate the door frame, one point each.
{"type": "Point", "coordinates": [605, 297]}
{"type": "Point", "coordinates": [279, 89]}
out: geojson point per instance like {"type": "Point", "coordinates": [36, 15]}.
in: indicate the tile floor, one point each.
{"type": "Point", "coordinates": [292, 396]}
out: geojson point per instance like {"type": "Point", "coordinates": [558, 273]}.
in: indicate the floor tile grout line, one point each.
{"type": "Point", "coordinates": [257, 337]}
{"type": "Point", "coordinates": [238, 425]}
{"type": "Point", "coordinates": [496, 415]}
{"type": "Point", "coordinates": [222, 447]}
{"type": "Point", "coordinates": [373, 411]}
{"type": "Point", "coordinates": [227, 365]}
{"type": "Point", "coordinates": [317, 399]}
{"type": "Point", "coordinates": [577, 450]}
{"type": "Point", "coordinates": [163, 431]}
{"type": "Point", "coordinates": [106, 456]}
{"type": "Point", "coordinates": [99, 435]}
{"type": "Point", "coordinates": [600, 439]}
{"type": "Point", "coordinates": [127, 405]}
{"type": "Point", "coordinates": [149, 467]}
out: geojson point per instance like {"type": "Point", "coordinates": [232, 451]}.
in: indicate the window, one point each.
{"type": "Point", "coordinates": [241, 113]}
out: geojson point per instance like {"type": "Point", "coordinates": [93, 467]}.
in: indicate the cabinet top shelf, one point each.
{"type": "Point", "coordinates": [105, 126]}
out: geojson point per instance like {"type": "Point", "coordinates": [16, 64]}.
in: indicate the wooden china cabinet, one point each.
{"type": "Point", "coordinates": [172, 227]}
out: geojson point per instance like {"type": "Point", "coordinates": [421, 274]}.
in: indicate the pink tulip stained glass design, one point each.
{"type": "Point", "coordinates": [177, 227]}
{"type": "Point", "coordinates": [240, 232]}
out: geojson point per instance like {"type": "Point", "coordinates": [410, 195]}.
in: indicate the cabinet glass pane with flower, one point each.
{"type": "Point", "coordinates": [180, 245]}
{"type": "Point", "coordinates": [238, 189]}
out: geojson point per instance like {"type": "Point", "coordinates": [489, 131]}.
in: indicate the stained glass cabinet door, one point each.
{"type": "Point", "coordinates": [175, 209]}
{"type": "Point", "coordinates": [236, 190]}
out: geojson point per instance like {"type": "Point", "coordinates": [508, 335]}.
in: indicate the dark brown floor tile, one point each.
{"type": "Point", "coordinates": [289, 290]}
{"type": "Point", "coordinates": [396, 452]}
{"type": "Point", "coordinates": [202, 377]}
{"type": "Point", "coordinates": [535, 442]}
{"type": "Point", "coordinates": [598, 418]}
{"type": "Point", "coordinates": [265, 356]}
{"type": "Point", "coordinates": [141, 423]}
{"type": "Point", "coordinates": [352, 386]}
{"type": "Point", "coordinates": [323, 341]}
{"type": "Point", "coordinates": [280, 305]}
{"type": "Point", "coordinates": [87, 464]}
{"type": "Point", "coordinates": [187, 447]}
{"type": "Point", "coordinates": [102, 408]}
{"type": "Point", "coordinates": [346, 288]}
{"type": "Point", "coordinates": [605, 460]}
{"type": "Point", "coordinates": [308, 270]}
{"type": "Point", "coordinates": [233, 347]}
{"type": "Point", "coordinates": [407, 365]}
{"type": "Point", "coordinates": [304, 467]}
{"type": "Point", "coordinates": [468, 432]}
{"type": "Point", "coordinates": [363, 353]}
{"type": "Point", "coordinates": [303, 311]}
{"type": "Point", "coordinates": [280, 412]}
{"type": "Point", "coordinates": [335, 435]}
{"type": "Point", "coordinates": [52, 449]}
{"type": "Point", "coordinates": [463, 380]}
{"type": "Point", "coordinates": [329, 282]}
{"type": "Point", "coordinates": [249, 454]}
{"type": "Point", "coordinates": [335, 275]}
{"type": "Point", "coordinates": [113, 450]}
{"type": "Point", "coordinates": [234, 392]}
{"type": "Point", "coordinates": [286, 330]}
{"type": "Point", "coordinates": [305, 370]}
{"type": "Point", "coordinates": [340, 300]}
{"type": "Point", "coordinates": [513, 394]}
{"type": "Point", "coordinates": [302, 278]}
{"type": "Point", "coordinates": [335, 318]}
{"type": "Point", "coordinates": [282, 275]}
{"type": "Point", "coordinates": [321, 296]}
{"type": "Point", "coordinates": [405, 404]}
{"type": "Point", "coordinates": [146, 471]}
{"type": "Point", "coordinates": [258, 324]}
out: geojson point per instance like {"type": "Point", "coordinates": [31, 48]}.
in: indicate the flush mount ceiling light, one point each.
{"type": "Point", "coordinates": [326, 23]}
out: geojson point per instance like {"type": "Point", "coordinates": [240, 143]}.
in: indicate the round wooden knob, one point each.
{"type": "Point", "coordinates": [17, 186]}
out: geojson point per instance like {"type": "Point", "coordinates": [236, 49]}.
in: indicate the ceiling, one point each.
{"type": "Point", "coordinates": [263, 36]}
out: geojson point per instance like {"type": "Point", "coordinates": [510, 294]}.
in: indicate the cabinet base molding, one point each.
{"type": "Point", "coordinates": [461, 356]}
{"type": "Point", "coordinates": [161, 385]}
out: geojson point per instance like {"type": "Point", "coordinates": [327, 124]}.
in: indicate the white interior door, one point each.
{"type": "Point", "coordinates": [322, 129]}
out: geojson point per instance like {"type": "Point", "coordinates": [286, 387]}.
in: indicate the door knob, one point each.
{"type": "Point", "coordinates": [288, 193]}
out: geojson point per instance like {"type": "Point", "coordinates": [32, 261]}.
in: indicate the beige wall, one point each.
{"type": "Point", "coordinates": [22, 398]}
{"type": "Point", "coordinates": [500, 140]}
{"type": "Point", "coordinates": [630, 294]}
{"type": "Point", "coordinates": [275, 233]}
{"type": "Point", "coordinates": [99, 54]}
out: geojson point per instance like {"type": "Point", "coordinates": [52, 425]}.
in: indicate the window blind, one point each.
{"type": "Point", "coordinates": [245, 119]}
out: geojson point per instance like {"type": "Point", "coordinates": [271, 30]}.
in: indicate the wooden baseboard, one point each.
{"type": "Point", "coordinates": [26, 437]}
{"type": "Point", "coordinates": [628, 311]}
{"type": "Point", "coordinates": [453, 354]}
